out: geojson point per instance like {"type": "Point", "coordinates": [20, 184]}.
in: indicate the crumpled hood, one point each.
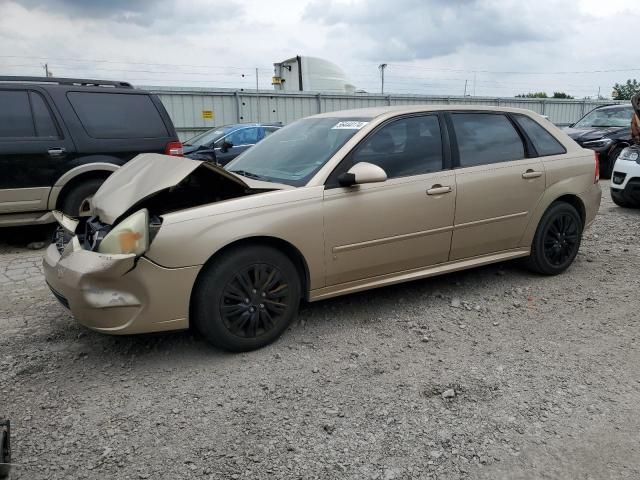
{"type": "Point", "coordinates": [592, 133]}
{"type": "Point", "coordinates": [150, 173]}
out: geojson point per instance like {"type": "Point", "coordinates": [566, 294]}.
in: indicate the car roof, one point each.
{"type": "Point", "coordinates": [240, 125]}
{"type": "Point", "coordinates": [373, 112]}
{"type": "Point", "coordinates": [622, 105]}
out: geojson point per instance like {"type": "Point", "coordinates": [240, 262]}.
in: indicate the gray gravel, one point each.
{"type": "Point", "coordinates": [486, 374]}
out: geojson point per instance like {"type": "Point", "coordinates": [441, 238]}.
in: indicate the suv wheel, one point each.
{"type": "Point", "coordinates": [618, 200]}
{"type": "Point", "coordinates": [73, 201]}
{"type": "Point", "coordinates": [247, 298]}
{"type": "Point", "coordinates": [607, 171]}
{"type": "Point", "coordinates": [557, 240]}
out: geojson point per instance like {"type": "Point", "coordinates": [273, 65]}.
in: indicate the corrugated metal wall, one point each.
{"type": "Point", "coordinates": [194, 110]}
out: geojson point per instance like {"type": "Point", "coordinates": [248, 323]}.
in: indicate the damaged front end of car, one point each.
{"type": "Point", "coordinates": [96, 266]}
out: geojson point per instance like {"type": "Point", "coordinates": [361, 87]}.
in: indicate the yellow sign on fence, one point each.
{"type": "Point", "coordinates": [207, 114]}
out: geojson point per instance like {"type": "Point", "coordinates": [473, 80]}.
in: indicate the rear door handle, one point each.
{"type": "Point", "coordinates": [531, 174]}
{"type": "Point", "coordinates": [438, 190]}
{"type": "Point", "coordinates": [57, 152]}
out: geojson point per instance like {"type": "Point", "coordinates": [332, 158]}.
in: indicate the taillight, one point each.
{"type": "Point", "coordinates": [596, 176]}
{"type": "Point", "coordinates": [174, 148]}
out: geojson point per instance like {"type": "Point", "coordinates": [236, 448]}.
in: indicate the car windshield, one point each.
{"type": "Point", "coordinates": [208, 137]}
{"type": "Point", "coordinates": [293, 154]}
{"type": "Point", "coordinates": [607, 117]}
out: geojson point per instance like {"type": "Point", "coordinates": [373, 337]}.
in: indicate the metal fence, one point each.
{"type": "Point", "coordinates": [194, 110]}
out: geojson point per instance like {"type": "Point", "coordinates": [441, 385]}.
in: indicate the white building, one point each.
{"type": "Point", "coordinates": [310, 74]}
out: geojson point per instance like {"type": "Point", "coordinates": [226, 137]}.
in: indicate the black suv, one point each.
{"type": "Point", "coordinates": [607, 130]}
{"type": "Point", "coordinates": [61, 137]}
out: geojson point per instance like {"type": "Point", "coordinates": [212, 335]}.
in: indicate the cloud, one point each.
{"type": "Point", "coordinates": [404, 30]}
{"type": "Point", "coordinates": [139, 12]}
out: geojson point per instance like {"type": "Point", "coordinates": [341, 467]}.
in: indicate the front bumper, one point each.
{"type": "Point", "coordinates": [625, 182]}
{"type": "Point", "coordinates": [119, 294]}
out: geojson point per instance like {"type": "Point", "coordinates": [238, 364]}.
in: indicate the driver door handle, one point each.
{"type": "Point", "coordinates": [57, 152]}
{"type": "Point", "coordinates": [531, 174]}
{"type": "Point", "coordinates": [438, 190]}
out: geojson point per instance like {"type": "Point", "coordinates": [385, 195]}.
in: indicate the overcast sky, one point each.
{"type": "Point", "coordinates": [431, 46]}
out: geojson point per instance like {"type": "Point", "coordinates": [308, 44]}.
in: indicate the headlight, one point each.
{"type": "Point", "coordinates": [601, 142]}
{"type": "Point", "coordinates": [629, 154]}
{"type": "Point", "coordinates": [129, 236]}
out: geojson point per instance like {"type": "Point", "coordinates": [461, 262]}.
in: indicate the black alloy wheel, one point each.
{"type": "Point", "coordinates": [255, 300]}
{"type": "Point", "coordinates": [557, 240]}
{"type": "Point", "coordinates": [561, 239]}
{"type": "Point", "coordinates": [246, 298]}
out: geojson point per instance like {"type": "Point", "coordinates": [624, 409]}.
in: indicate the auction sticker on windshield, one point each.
{"type": "Point", "coordinates": [350, 125]}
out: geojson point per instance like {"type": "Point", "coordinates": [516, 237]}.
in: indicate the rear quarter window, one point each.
{"type": "Point", "coordinates": [544, 143]}
{"type": "Point", "coordinates": [118, 115]}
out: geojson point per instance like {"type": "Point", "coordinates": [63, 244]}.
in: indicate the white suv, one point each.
{"type": "Point", "coordinates": [625, 179]}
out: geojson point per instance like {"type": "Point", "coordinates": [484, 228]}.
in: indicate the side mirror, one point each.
{"type": "Point", "coordinates": [225, 146]}
{"type": "Point", "coordinates": [361, 173]}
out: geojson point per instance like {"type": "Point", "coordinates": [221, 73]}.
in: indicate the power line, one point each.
{"type": "Point", "coordinates": [90, 60]}
{"type": "Point", "coordinates": [616, 70]}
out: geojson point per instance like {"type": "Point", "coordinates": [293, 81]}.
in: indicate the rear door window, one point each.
{"type": "Point", "coordinates": [544, 143]}
{"type": "Point", "coordinates": [16, 120]}
{"type": "Point", "coordinates": [118, 115]}
{"type": "Point", "coordinates": [485, 138]}
{"type": "Point", "coordinates": [45, 125]}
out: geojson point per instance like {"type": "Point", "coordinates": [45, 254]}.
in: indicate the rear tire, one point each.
{"type": "Point", "coordinates": [556, 241]}
{"type": "Point", "coordinates": [247, 298]}
{"type": "Point", "coordinates": [74, 198]}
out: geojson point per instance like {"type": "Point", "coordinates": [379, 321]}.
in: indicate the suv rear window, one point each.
{"type": "Point", "coordinates": [118, 115]}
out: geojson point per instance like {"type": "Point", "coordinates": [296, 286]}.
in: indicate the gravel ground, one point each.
{"type": "Point", "coordinates": [486, 374]}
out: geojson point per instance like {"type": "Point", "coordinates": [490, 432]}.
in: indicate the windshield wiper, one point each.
{"type": "Point", "coordinates": [244, 173]}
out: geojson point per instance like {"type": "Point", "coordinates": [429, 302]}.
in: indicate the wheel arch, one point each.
{"type": "Point", "coordinates": [576, 202]}
{"type": "Point", "coordinates": [290, 250]}
{"type": "Point", "coordinates": [571, 198]}
{"type": "Point", "coordinates": [76, 176]}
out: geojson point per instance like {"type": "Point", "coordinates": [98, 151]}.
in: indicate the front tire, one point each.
{"type": "Point", "coordinates": [618, 200]}
{"type": "Point", "coordinates": [247, 298]}
{"type": "Point", "coordinates": [556, 241]}
{"type": "Point", "coordinates": [607, 170]}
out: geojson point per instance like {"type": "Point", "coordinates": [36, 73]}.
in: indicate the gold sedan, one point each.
{"type": "Point", "coordinates": [331, 204]}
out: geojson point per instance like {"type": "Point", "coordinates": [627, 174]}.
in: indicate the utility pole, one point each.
{"type": "Point", "coordinates": [257, 98]}
{"type": "Point", "coordinates": [465, 88]}
{"type": "Point", "coordinates": [382, 66]}
{"type": "Point", "coordinates": [47, 73]}
{"type": "Point", "coordinates": [598, 97]}
{"type": "Point", "coordinates": [474, 84]}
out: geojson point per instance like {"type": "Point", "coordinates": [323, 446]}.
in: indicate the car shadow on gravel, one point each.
{"type": "Point", "coordinates": [387, 299]}
{"type": "Point", "coordinates": [23, 236]}
{"type": "Point", "coordinates": [378, 305]}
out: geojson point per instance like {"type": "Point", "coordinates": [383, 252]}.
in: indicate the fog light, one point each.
{"type": "Point", "coordinates": [105, 298]}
